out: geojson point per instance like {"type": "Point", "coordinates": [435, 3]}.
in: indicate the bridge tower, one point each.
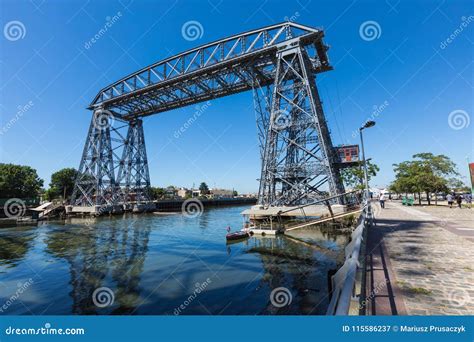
{"type": "Point", "coordinates": [113, 171]}
{"type": "Point", "coordinates": [298, 157]}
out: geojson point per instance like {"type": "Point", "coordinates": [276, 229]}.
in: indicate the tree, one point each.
{"type": "Point", "coordinates": [157, 193]}
{"type": "Point", "coordinates": [353, 176]}
{"type": "Point", "coordinates": [204, 188]}
{"type": "Point", "coordinates": [62, 183]}
{"type": "Point", "coordinates": [19, 181]}
{"type": "Point", "coordinates": [425, 173]}
{"type": "Point", "coordinates": [458, 185]}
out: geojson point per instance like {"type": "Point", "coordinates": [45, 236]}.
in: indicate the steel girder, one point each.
{"type": "Point", "coordinates": [221, 68]}
{"type": "Point", "coordinates": [298, 157]}
{"type": "Point", "coordinates": [114, 166]}
{"type": "Point", "coordinates": [95, 183]}
{"type": "Point", "coordinates": [278, 62]}
{"type": "Point", "coordinates": [133, 176]}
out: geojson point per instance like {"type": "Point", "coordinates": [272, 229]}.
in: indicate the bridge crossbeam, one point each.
{"type": "Point", "coordinates": [277, 62]}
{"type": "Point", "coordinates": [220, 68]}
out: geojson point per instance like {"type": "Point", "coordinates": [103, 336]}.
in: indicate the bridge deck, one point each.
{"type": "Point", "coordinates": [217, 69]}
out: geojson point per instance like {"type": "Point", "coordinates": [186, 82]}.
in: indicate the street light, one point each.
{"type": "Point", "coordinates": [367, 124]}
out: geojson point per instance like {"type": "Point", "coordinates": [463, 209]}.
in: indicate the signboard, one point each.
{"type": "Point", "coordinates": [471, 170]}
{"type": "Point", "coordinates": [348, 153]}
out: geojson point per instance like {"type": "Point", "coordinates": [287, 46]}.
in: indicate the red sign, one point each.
{"type": "Point", "coordinates": [471, 168]}
{"type": "Point", "coordinates": [348, 153]}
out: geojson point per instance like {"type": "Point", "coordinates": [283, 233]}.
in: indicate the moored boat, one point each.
{"type": "Point", "coordinates": [237, 236]}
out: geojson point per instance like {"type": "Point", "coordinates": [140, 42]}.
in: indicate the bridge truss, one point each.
{"type": "Point", "coordinates": [279, 63]}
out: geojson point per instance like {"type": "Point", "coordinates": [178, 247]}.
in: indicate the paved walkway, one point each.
{"type": "Point", "coordinates": [420, 261]}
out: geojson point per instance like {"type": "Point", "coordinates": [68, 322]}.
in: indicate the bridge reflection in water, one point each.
{"type": "Point", "coordinates": [154, 264]}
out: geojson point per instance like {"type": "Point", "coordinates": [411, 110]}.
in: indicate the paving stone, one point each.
{"type": "Point", "coordinates": [428, 253]}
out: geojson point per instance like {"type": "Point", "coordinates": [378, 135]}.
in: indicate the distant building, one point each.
{"type": "Point", "coordinates": [249, 195]}
{"type": "Point", "coordinates": [221, 193]}
{"type": "Point", "coordinates": [171, 192]}
{"type": "Point", "coordinates": [184, 193]}
{"type": "Point", "coordinates": [195, 193]}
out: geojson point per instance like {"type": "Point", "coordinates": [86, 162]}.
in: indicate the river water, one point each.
{"type": "Point", "coordinates": [164, 265]}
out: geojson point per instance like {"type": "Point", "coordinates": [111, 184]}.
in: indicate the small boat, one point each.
{"type": "Point", "coordinates": [237, 236]}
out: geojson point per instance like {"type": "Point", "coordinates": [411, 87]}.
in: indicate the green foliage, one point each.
{"type": "Point", "coordinates": [353, 177]}
{"type": "Point", "coordinates": [19, 181]}
{"type": "Point", "coordinates": [458, 185]}
{"type": "Point", "coordinates": [157, 193]}
{"type": "Point", "coordinates": [204, 188]}
{"type": "Point", "coordinates": [62, 183]}
{"type": "Point", "coordinates": [426, 173]}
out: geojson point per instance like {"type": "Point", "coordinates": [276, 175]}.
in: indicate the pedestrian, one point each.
{"type": "Point", "coordinates": [449, 198]}
{"type": "Point", "coordinates": [382, 200]}
{"type": "Point", "coordinates": [468, 200]}
{"type": "Point", "coordinates": [459, 201]}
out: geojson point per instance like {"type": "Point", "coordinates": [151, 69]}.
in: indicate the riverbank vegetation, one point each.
{"type": "Point", "coordinates": [427, 174]}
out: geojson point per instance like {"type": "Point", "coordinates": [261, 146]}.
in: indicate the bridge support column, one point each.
{"type": "Point", "coordinates": [95, 184]}
{"type": "Point", "coordinates": [133, 175]}
{"type": "Point", "coordinates": [298, 157]}
{"type": "Point", "coordinates": [113, 172]}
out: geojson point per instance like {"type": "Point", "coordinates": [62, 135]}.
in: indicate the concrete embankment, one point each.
{"type": "Point", "coordinates": [177, 205]}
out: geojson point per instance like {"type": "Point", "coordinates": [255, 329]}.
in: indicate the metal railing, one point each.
{"type": "Point", "coordinates": [344, 280]}
{"type": "Point", "coordinates": [352, 200]}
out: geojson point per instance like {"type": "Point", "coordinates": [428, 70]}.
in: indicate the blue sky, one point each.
{"type": "Point", "coordinates": [409, 70]}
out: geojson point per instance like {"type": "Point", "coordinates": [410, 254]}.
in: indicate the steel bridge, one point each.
{"type": "Point", "coordinates": [278, 63]}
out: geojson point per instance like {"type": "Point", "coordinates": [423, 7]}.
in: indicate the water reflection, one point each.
{"type": "Point", "coordinates": [298, 265]}
{"type": "Point", "coordinates": [14, 245]}
{"type": "Point", "coordinates": [110, 256]}
{"type": "Point", "coordinates": [152, 264]}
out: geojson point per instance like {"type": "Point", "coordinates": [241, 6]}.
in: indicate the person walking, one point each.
{"type": "Point", "coordinates": [468, 200]}
{"type": "Point", "coordinates": [382, 200]}
{"type": "Point", "coordinates": [459, 201]}
{"type": "Point", "coordinates": [449, 198]}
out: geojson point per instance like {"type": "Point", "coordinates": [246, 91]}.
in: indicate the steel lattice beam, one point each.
{"type": "Point", "coordinates": [298, 154]}
{"type": "Point", "coordinates": [278, 63]}
{"type": "Point", "coordinates": [213, 70]}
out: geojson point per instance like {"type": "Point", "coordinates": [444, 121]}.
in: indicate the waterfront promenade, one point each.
{"type": "Point", "coordinates": [420, 261]}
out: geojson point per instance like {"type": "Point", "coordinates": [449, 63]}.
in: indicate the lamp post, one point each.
{"type": "Point", "coordinates": [368, 124]}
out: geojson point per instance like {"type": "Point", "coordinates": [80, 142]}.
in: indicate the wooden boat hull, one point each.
{"type": "Point", "coordinates": [237, 236]}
